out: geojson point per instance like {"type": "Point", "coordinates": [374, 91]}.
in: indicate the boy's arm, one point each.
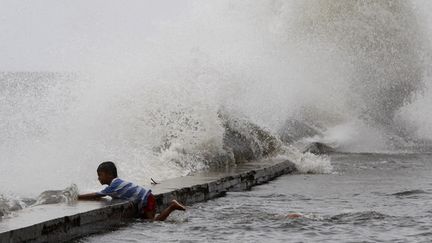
{"type": "Point", "coordinates": [90, 196]}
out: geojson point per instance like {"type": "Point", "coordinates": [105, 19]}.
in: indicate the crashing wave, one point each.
{"type": "Point", "coordinates": [9, 204]}
{"type": "Point", "coordinates": [246, 141]}
{"type": "Point", "coordinates": [66, 195]}
{"type": "Point", "coordinates": [309, 163]}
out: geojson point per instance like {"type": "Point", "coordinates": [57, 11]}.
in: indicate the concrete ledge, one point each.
{"type": "Point", "coordinates": [215, 185]}
{"type": "Point", "coordinates": [60, 222]}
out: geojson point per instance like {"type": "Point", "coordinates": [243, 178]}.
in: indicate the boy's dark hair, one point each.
{"type": "Point", "coordinates": [108, 167]}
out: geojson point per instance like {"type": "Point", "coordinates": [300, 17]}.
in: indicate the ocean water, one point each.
{"type": "Point", "coordinates": [367, 198]}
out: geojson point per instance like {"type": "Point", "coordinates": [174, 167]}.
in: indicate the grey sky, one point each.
{"type": "Point", "coordinates": [56, 34]}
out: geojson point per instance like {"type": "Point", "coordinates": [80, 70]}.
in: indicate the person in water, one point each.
{"type": "Point", "coordinates": [142, 202]}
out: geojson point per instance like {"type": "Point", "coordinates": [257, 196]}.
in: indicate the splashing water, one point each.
{"type": "Point", "coordinates": [352, 70]}
{"type": "Point", "coordinates": [67, 195]}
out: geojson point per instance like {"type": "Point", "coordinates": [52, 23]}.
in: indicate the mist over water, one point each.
{"type": "Point", "coordinates": [355, 70]}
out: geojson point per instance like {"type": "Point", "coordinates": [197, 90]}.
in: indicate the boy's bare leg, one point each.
{"type": "Point", "coordinates": [166, 212]}
{"type": "Point", "coordinates": [150, 215]}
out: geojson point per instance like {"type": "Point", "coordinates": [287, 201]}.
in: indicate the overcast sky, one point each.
{"type": "Point", "coordinates": [56, 34]}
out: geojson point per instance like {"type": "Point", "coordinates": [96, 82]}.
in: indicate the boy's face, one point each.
{"type": "Point", "coordinates": [104, 178]}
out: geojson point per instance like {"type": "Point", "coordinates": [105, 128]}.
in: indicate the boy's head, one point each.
{"type": "Point", "coordinates": [106, 171]}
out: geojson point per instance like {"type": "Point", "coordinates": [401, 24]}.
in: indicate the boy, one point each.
{"type": "Point", "coordinates": [142, 200]}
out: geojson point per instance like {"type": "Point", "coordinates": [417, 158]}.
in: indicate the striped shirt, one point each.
{"type": "Point", "coordinates": [128, 191]}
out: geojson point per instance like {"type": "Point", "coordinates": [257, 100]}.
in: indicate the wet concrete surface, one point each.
{"type": "Point", "coordinates": [63, 222]}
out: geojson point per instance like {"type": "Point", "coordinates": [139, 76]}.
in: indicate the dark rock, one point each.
{"type": "Point", "coordinates": [294, 130]}
{"type": "Point", "coordinates": [245, 140]}
{"type": "Point", "coordinates": [318, 148]}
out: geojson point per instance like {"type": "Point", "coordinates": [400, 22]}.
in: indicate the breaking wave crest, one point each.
{"type": "Point", "coordinates": [10, 204]}
{"type": "Point", "coordinates": [230, 82]}
{"type": "Point", "coordinates": [309, 163]}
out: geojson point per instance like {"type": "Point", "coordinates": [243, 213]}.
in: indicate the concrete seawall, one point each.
{"type": "Point", "coordinates": [61, 222]}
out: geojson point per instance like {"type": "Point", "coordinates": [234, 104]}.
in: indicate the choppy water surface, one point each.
{"type": "Point", "coordinates": [369, 198]}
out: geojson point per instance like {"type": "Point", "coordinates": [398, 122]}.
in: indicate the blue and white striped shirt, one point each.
{"type": "Point", "coordinates": [128, 191]}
